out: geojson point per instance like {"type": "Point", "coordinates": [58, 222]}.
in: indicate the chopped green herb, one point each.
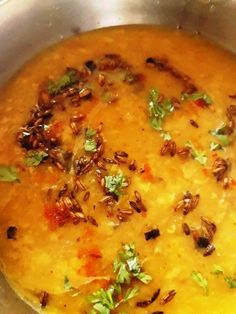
{"type": "Point", "coordinates": [115, 184]}
{"type": "Point", "coordinates": [197, 155]}
{"type": "Point", "coordinates": [231, 282]}
{"type": "Point", "coordinates": [200, 280]}
{"type": "Point", "coordinates": [166, 136]}
{"type": "Point", "coordinates": [62, 82]}
{"type": "Point", "coordinates": [158, 110]}
{"type": "Point", "coordinates": [217, 270]}
{"type": "Point", "coordinates": [67, 284]}
{"type": "Point", "coordinates": [197, 96]}
{"type": "Point", "coordinates": [8, 174]}
{"type": "Point", "coordinates": [215, 146]}
{"type": "Point", "coordinates": [34, 157]}
{"type": "Point", "coordinates": [219, 133]}
{"type": "Point", "coordinates": [127, 267]}
{"type": "Point", "coordinates": [90, 133]}
{"type": "Point", "coordinates": [90, 144]}
{"type": "Point", "coordinates": [131, 293]}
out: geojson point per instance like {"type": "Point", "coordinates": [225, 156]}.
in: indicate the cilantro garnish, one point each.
{"type": "Point", "coordinates": [34, 157]}
{"type": "Point", "coordinates": [127, 268]}
{"type": "Point", "coordinates": [67, 284]}
{"type": "Point", "coordinates": [90, 144]}
{"type": "Point", "coordinates": [215, 146]}
{"type": "Point", "coordinates": [231, 281]}
{"type": "Point", "coordinates": [219, 133]}
{"type": "Point", "coordinates": [217, 270]}
{"type": "Point", "coordinates": [197, 96]}
{"type": "Point", "coordinates": [200, 280]}
{"type": "Point", "coordinates": [115, 184]}
{"type": "Point", "coordinates": [8, 174]}
{"type": "Point", "coordinates": [158, 110]}
{"type": "Point", "coordinates": [196, 154]}
{"type": "Point", "coordinates": [62, 82]}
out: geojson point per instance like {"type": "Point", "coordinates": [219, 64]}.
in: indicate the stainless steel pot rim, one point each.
{"type": "Point", "coordinates": [33, 25]}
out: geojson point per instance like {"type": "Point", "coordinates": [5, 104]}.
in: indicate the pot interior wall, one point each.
{"type": "Point", "coordinates": [28, 28]}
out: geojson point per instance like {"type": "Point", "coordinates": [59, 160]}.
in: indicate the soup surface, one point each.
{"type": "Point", "coordinates": [117, 168]}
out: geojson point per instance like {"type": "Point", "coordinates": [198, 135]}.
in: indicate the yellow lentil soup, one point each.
{"type": "Point", "coordinates": [117, 171]}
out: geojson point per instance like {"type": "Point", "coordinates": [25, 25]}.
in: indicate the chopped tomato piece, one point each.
{"type": "Point", "coordinates": [56, 216]}
{"type": "Point", "coordinates": [147, 174]}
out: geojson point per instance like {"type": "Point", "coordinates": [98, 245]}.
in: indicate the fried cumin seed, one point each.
{"type": "Point", "coordinates": [43, 299]}
{"type": "Point", "coordinates": [146, 303]}
{"type": "Point", "coordinates": [168, 297]}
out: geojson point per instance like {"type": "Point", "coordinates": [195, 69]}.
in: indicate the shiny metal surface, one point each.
{"type": "Point", "coordinates": [28, 26]}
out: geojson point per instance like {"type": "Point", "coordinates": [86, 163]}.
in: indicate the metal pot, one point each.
{"type": "Point", "coordinates": [28, 26]}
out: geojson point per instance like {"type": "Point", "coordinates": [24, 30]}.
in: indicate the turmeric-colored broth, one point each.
{"type": "Point", "coordinates": [56, 256]}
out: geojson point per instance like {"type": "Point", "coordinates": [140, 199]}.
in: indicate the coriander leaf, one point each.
{"type": "Point", "coordinates": [62, 82]}
{"type": "Point", "coordinates": [67, 284]}
{"type": "Point", "coordinates": [220, 130]}
{"type": "Point", "coordinates": [127, 267]}
{"type": "Point", "coordinates": [145, 278]}
{"type": "Point", "coordinates": [131, 293]}
{"type": "Point", "coordinates": [200, 280]}
{"type": "Point", "coordinates": [215, 146]}
{"type": "Point", "coordinates": [90, 133]}
{"type": "Point", "coordinates": [123, 275]}
{"type": "Point", "coordinates": [197, 155]}
{"type": "Point", "coordinates": [158, 110]}
{"type": "Point", "coordinates": [197, 96]}
{"type": "Point", "coordinates": [115, 184]}
{"type": "Point", "coordinates": [220, 134]}
{"type": "Point", "coordinates": [166, 136]}
{"type": "Point", "coordinates": [8, 174]}
{"type": "Point", "coordinates": [217, 270]}
{"type": "Point", "coordinates": [90, 145]}
{"type": "Point", "coordinates": [34, 157]}
{"type": "Point", "coordinates": [231, 282]}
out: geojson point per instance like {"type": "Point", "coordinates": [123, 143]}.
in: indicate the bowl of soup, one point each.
{"type": "Point", "coordinates": [117, 164]}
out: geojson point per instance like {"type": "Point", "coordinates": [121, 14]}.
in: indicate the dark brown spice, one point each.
{"type": "Point", "coordinates": [83, 165]}
{"type": "Point", "coordinates": [219, 168]}
{"type": "Point", "coordinates": [209, 249]}
{"type": "Point", "coordinates": [91, 65]}
{"type": "Point", "coordinates": [110, 62]}
{"type": "Point", "coordinates": [183, 152]}
{"type": "Point", "coordinates": [163, 65]}
{"type": "Point", "coordinates": [158, 312]}
{"type": "Point", "coordinates": [92, 221]}
{"type": "Point", "coordinates": [146, 303]}
{"type": "Point", "coordinates": [168, 297]}
{"type": "Point", "coordinates": [188, 203]}
{"type": "Point", "coordinates": [109, 160]}
{"type": "Point", "coordinates": [86, 196]}
{"type": "Point", "coordinates": [75, 124]}
{"type": "Point", "coordinates": [152, 234]}
{"type": "Point", "coordinates": [232, 96]}
{"type": "Point", "coordinates": [133, 165]}
{"type": "Point", "coordinates": [11, 233]}
{"type": "Point", "coordinates": [121, 156]}
{"type": "Point", "coordinates": [168, 148]}
{"type": "Point", "coordinates": [138, 205]}
{"type": "Point", "coordinates": [85, 93]}
{"type": "Point", "coordinates": [194, 123]}
{"type": "Point", "coordinates": [186, 229]}
{"type": "Point", "coordinates": [43, 299]}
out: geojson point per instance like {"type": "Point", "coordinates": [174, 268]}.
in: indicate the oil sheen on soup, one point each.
{"type": "Point", "coordinates": [117, 175]}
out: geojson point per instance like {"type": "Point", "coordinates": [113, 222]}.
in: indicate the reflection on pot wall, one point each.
{"type": "Point", "coordinates": [34, 25]}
